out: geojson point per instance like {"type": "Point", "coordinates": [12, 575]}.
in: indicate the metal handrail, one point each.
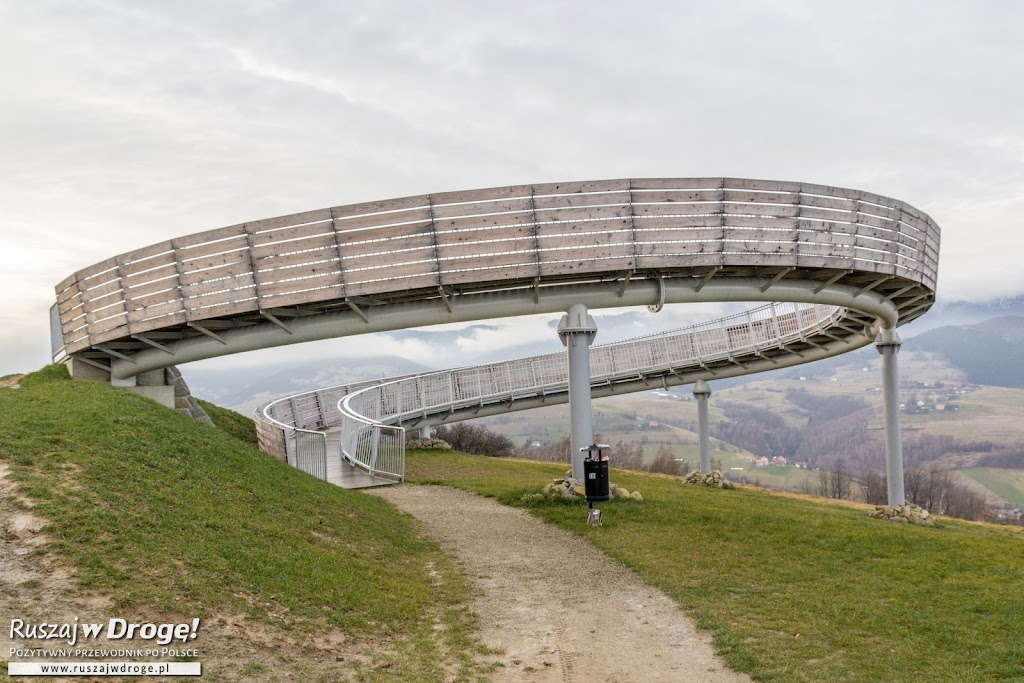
{"type": "Point", "coordinates": [310, 452]}
{"type": "Point", "coordinates": [381, 406]}
{"type": "Point", "coordinates": [370, 413]}
{"type": "Point", "coordinates": [378, 449]}
{"type": "Point", "coordinates": [603, 359]}
{"type": "Point", "coordinates": [311, 456]}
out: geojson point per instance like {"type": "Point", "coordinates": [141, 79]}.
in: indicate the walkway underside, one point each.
{"type": "Point", "coordinates": [891, 301]}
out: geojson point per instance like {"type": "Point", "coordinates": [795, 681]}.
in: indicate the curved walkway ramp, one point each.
{"type": "Point", "coordinates": [500, 252]}
{"type": "Point", "coordinates": [372, 416]}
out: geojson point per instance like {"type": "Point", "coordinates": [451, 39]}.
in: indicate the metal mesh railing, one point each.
{"type": "Point", "coordinates": [289, 427]}
{"type": "Point", "coordinates": [370, 413]}
{"type": "Point", "coordinates": [377, 449]}
{"type": "Point", "coordinates": [310, 453]}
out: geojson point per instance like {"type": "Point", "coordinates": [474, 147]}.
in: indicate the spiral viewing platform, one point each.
{"type": "Point", "coordinates": [849, 265]}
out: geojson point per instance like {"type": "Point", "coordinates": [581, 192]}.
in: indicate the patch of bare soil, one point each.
{"type": "Point", "coordinates": [36, 588]}
{"type": "Point", "coordinates": [560, 609]}
{"type": "Point", "coordinates": [12, 382]}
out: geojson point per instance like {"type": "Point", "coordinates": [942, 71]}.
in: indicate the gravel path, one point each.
{"type": "Point", "coordinates": [560, 609]}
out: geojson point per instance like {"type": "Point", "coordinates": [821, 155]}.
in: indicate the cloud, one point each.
{"type": "Point", "coordinates": [124, 124]}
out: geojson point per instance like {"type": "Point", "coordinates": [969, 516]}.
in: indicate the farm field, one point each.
{"type": "Point", "coordinates": [656, 417]}
{"type": "Point", "coordinates": [1007, 484]}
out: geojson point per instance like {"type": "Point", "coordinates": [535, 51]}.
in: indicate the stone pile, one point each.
{"type": "Point", "coordinates": [570, 487]}
{"type": "Point", "coordinates": [903, 514]}
{"type": "Point", "coordinates": [420, 444]}
{"type": "Point", "coordinates": [713, 478]}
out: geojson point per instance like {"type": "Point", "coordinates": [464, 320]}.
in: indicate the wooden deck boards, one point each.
{"type": "Point", "coordinates": [344, 475]}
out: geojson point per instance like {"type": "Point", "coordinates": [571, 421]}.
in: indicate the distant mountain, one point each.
{"type": "Point", "coordinates": [985, 339]}
{"type": "Point", "coordinates": [992, 352]}
{"type": "Point", "coordinates": [1003, 307]}
{"type": "Point", "coordinates": [953, 313]}
{"type": "Point", "coordinates": [245, 388]}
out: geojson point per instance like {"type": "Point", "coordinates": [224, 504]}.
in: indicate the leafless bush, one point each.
{"type": "Point", "coordinates": [932, 488]}
{"type": "Point", "coordinates": [876, 489]}
{"type": "Point", "coordinates": [836, 482]}
{"type": "Point", "coordinates": [665, 462]}
{"type": "Point", "coordinates": [474, 439]}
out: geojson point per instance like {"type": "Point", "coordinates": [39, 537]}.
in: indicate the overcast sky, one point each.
{"type": "Point", "coordinates": [124, 123]}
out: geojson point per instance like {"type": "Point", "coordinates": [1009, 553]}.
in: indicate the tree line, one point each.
{"type": "Point", "coordinates": [931, 487]}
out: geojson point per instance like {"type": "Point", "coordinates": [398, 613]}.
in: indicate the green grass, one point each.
{"type": "Point", "coordinates": [999, 481]}
{"type": "Point", "coordinates": [154, 508]}
{"type": "Point", "coordinates": [791, 588]}
{"type": "Point", "coordinates": [235, 424]}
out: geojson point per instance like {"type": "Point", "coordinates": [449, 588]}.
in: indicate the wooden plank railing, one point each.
{"type": "Point", "coordinates": [505, 234]}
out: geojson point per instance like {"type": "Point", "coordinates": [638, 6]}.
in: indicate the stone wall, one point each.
{"type": "Point", "coordinates": [184, 402]}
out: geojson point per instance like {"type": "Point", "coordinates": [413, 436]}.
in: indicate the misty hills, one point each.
{"type": "Point", "coordinates": [245, 388]}
{"type": "Point", "coordinates": [991, 352]}
{"type": "Point", "coordinates": [961, 313]}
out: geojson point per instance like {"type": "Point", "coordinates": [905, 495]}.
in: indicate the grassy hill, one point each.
{"type": "Point", "coordinates": [791, 587]}
{"type": "Point", "coordinates": [235, 424]}
{"type": "Point", "coordinates": [175, 517]}
{"type": "Point", "coordinates": [164, 513]}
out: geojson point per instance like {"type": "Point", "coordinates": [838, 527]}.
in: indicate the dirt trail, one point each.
{"type": "Point", "coordinates": [561, 610]}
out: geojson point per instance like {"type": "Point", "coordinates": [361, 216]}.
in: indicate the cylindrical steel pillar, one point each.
{"type": "Point", "coordinates": [577, 331]}
{"type": "Point", "coordinates": [424, 432]}
{"type": "Point", "coordinates": [701, 391]}
{"type": "Point", "coordinates": [888, 344]}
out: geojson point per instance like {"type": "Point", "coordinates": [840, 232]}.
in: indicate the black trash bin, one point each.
{"type": "Point", "coordinates": [595, 474]}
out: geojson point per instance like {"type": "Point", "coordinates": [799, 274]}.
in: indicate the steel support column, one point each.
{"type": "Point", "coordinates": [888, 344]}
{"type": "Point", "coordinates": [701, 391]}
{"type": "Point", "coordinates": [577, 331]}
